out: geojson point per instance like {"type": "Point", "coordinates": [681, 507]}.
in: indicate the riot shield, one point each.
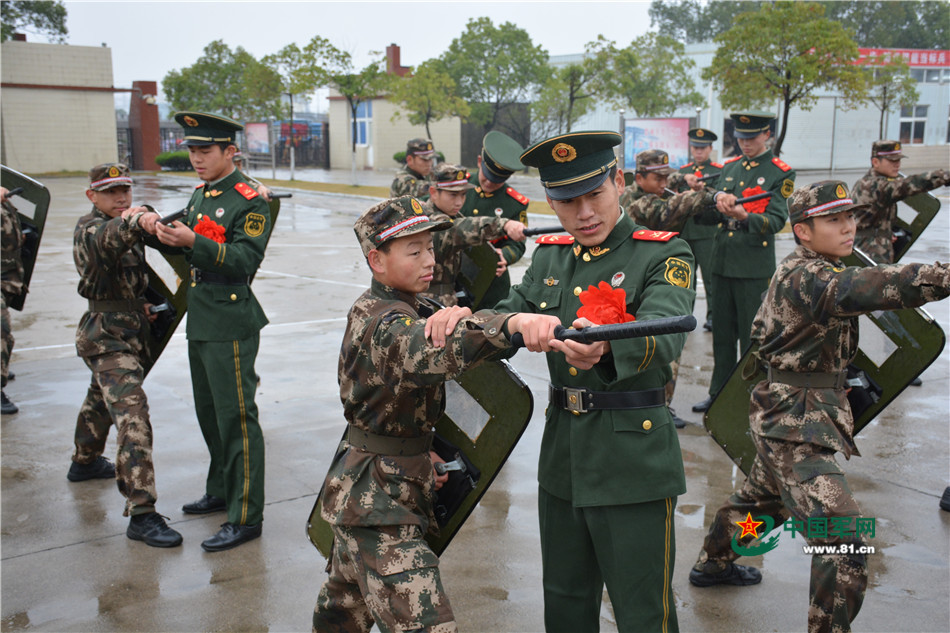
{"type": "Point", "coordinates": [32, 225]}
{"type": "Point", "coordinates": [925, 206]}
{"type": "Point", "coordinates": [487, 410]}
{"type": "Point", "coordinates": [477, 273]}
{"type": "Point", "coordinates": [895, 347]}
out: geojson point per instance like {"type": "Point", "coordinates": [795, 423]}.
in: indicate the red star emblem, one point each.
{"type": "Point", "coordinates": [749, 526]}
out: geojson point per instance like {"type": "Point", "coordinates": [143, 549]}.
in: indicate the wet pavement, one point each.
{"type": "Point", "coordinates": [68, 566]}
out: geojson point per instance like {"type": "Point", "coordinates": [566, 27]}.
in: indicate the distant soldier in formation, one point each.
{"type": "Point", "coordinates": [880, 190]}
{"type": "Point", "coordinates": [491, 197]}
{"type": "Point", "coordinates": [10, 286]}
{"type": "Point", "coordinates": [743, 256]}
{"type": "Point", "coordinates": [112, 339]}
{"type": "Point", "coordinates": [414, 179]}
{"type": "Point", "coordinates": [446, 197]}
{"type": "Point", "coordinates": [807, 331]}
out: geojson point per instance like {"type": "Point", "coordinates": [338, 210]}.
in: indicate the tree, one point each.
{"type": "Point", "coordinates": [429, 94]}
{"type": "Point", "coordinates": [784, 52]}
{"type": "Point", "coordinates": [494, 69]}
{"type": "Point", "coordinates": [48, 18]}
{"type": "Point", "coordinates": [233, 83]}
{"type": "Point", "coordinates": [692, 21]}
{"type": "Point", "coordinates": [564, 98]}
{"type": "Point", "coordinates": [649, 77]}
{"type": "Point", "coordinates": [888, 84]}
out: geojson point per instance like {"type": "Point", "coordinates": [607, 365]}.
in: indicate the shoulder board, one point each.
{"type": "Point", "coordinates": [689, 164]}
{"type": "Point", "coordinates": [733, 159]}
{"type": "Point", "coordinates": [199, 186]}
{"type": "Point", "coordinates": [781, 164]}
{"type": "Point", "coordinates": [716, 165]}
{"type": "Point", "coordinates": [517, 196]}
{"type": "Point", "coordinates": [555, 239]}
{"type": "Point", "coordinates": [650, 235]}
{"type": "Point", "coordinates": [246, 190]}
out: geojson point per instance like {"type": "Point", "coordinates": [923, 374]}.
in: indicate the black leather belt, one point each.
{"type": "Point", "coordinates": [387, 444]}
{"type": "Point", "coordinates": [809, 379]}
{"type": "Point", "coordinates": [732, 224]}
{"type": "Point", "coordinates": [584, 400]}
{"type": "Point", "coordinates": [214, 278]}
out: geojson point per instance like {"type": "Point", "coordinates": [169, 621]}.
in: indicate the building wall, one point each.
{"type": "Point", "coordinates": [47, 130]}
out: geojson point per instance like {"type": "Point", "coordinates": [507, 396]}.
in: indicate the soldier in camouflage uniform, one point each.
{"type": "Point", "coordinates": [378, 495]}
{"type": "Point", "coordinates": [112, 339]}
{"type": "Point", "coordinates": [11, 286]}
{"type": "Point", "coordinates": [413, 179]}
{"type": "Point", "coordinates": [807, 330]}
{"type": "Point", "coordinates": [447, 195]}
{"type": "Point", "coordinates": [880, 190]}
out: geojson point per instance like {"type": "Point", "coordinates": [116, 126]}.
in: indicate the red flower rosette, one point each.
{"type": "Point", "coordinates": [210, 229]}
{"type": "Point", "coordinates": [756, 206]}
{"type": "Point", "coordinates": [604, 304]}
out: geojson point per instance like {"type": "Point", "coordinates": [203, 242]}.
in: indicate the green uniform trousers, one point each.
{"type": "Point", "coordinates": [631, 548]}
{"type": "Point", "coordinates": [735, 303]}
{"type": "Point", "coordinates": [224, 381]}
{"type": "Point", "coordinates": [702, 251]}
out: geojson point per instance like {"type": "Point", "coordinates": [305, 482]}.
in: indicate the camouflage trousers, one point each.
{"type": "Point", "coordinates": [802, 481]}
{"type": "Point", "coordinates": [7, 339]}
{"type": "Point", "coordinates": [387, 574]}
{"type": "Point", "coordinates": [116, 396]}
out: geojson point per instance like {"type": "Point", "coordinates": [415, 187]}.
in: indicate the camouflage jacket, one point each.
{"type": "Point", "coordinates": [449, 245]}
{"type": "Point", "coordinates": [392, 382]}
{"type": "Point", "coordinates": [409, 183]}
{"type": "Point", "coordinates": [663, 214]}
{"type": "Point", "coordinates": [809, 323]}
{"type": "Point", "coordinates": [12, 243]}
{"type": "Point", "coordinates": [875, 235]}
{"type": "Point", "coordinates": [110, 258]}
{"type": "Point", "coordinates": [504, 203]}
{"type": "Point", "coordinates": [691, 229]}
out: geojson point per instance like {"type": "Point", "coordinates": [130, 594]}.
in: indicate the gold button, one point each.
{"type": "Point", "coordinates": [543, 305]}
{"type": "Point", "coordinates": [572, 399]}
{"type": "Point", "coordinates": [742, 184]}
{"type": "Point", "coordinates": [233, 297]}
{"type": "Point", "coordinates": [576, 412]}
{"type": "Point", "coordinates": [730, 233]}
{"type": "Point", "coordinates": [765, 243]}
{"type": "Point", "coordinates": [207, 194]}
{"type": "Point", "coordinates": [572, 371]}
{"type": "Point", "coordinates": [475, 212]}
{"type": "Point", "coordinates": [647, 425]}
{"type": "Point", "coordinates": [198, 217]}
{"type": "Point", "coordinates": [586, 257]}
{"type": "Point", "coordinates": [577, 291]}
{"type": "Point", "coordinates": [193, 284]}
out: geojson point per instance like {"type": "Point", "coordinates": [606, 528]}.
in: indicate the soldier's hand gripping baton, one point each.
{"type": "Point", "coordinates": [616, 331]}
{"type": "Point", "coordinates": [543, 230]}
{"type": "Point", "coordinates": [707, 177]}
{"type": "Point", "coordinates": [14, 192]}
{"type": "Point", "coordinates": [171, 217]}
{"type": "Point", "coordinates": [758, 196]}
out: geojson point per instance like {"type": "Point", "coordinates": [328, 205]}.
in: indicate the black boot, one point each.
{"type": "Point", "coordinates": [152, 530]}
{"type": "Point", "coordinates": [8, 408]}
{"type": "Point", "coordinates": [99, 468]}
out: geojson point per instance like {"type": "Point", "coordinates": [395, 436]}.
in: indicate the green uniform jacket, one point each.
{"type": "Point", "coordinates": [691, 230]}
{"type": "Point", "coordinates": [746, 250]}
{"type": "Point", "coordinates": [504, 203]}
{"type": "Point", "coordinates": [224, 312]}
{"type": "Point", "coordinates": [611, 457]}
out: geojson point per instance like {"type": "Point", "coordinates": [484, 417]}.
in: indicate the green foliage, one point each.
{"type": "Point", "coordinates": [48, 18]}
{"type": "Point", "coordinates": [429, 94]}
{"type": "Point", "coordinates": [301, 71]}
{"type": "Point", "coordinates": [494, 68]}
{"type": "Point", "coordinates": [784, 52]}
{"type": "Point", "coordinates": [229, 82]}
{"type": "Point", "coordinates": [650, 77]}
{"type": "Point", "coordinates": [888, 85]}
{"type": "Point", "coordinates": [564, 98]}
{"type": "Point", "coordinates": [692, 21]}
{"type": "Point", "coordinates": [174, 161]}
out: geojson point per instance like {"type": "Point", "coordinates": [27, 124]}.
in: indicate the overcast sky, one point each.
{"type": "Point", "coordinates": [150, 38]}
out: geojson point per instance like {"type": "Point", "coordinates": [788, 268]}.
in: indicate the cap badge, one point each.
{"type": "Point", "coordinates": [460, 175]}
{"type": "Point", "coordinates": [743, 119]}
{"type": "Point", "coordinates": [700, 133]}
{"type": "Point", "coordinates": [190, 121]}
{"type": "Point", "coordinates": [840, 192]}
{"type": "Point", "coordinates": [666, 159]}
{"type": "Point", "coordinates": [616, 280]}
{"type": "Point", "coordinates": [113, 171]}
{"type": "Point", "coordinates": [563, 153]}
{"type": "Point", "coordinates": [897, 146]}
{"type": "Point", "coordinates": [416, 207]}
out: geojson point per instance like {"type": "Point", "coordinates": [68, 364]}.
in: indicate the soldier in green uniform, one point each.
{"type": "Point", "coordinates": [880, 190]}
{"type": "Point", "coordinates": [112, 339]}
{"type": "Point", "coordinates": [11, 285]}
{"type": "Point", "coordinates": [743, 255]}
{"type": "Point", "coordinates": [379, 493]}
{"type": "Point", "coordinates": [610, 464]}
{"type": "Point", "coordinates": [700, 236]}
{"type": "Point", "coordinates": [223, 239]}
{"type": "Point", "coordinates": [807, 331]}
{"type": "Point", "coordinates": [491, 197]}
{"type": "Point", "coordinates": [413, 179]}
{"type": "Point", "coordinates": [446, 198]}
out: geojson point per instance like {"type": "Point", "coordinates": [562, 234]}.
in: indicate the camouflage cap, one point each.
{"type": "Point", "coordinates": [751, 124]}
{"type": "Point", "coordinates": [109, 175]}
{"type": "Point", "coordinates": [202, 128]}
{"type": "Point", "coordinates": [500, 155]}
{"type": "Point", "coordinates": [654, 161]}
{"type": "Point", "coordinates": [420, 148]}
{"type": "Point", "coordinates": [448, 177]}
{"type": "Point", "coordinates": [573, 164]}
{"type": "Point", "coordinates": [701, 137]}
{"type": "Point", "coordinates": [820, 198]}
{"type": "Point", "coordinates": [389, 219]}
{"type": "Point", "coordinates": [891, 150]}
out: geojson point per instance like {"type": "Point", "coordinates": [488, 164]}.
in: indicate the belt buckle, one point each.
{"type": "Point", "coordinates": [574, 399]}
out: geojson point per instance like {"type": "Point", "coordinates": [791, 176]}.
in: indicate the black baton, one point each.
{"type": "Point", "coordinates": [543, 230]}
{"type": "Point", "coordinates": [615, 331]}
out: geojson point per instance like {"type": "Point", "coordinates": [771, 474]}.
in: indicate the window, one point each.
{"type": "Point", "coordinates": [933, 75]}
{"type": "Point", "coordinates": [364, 116]}
{"type": "Point", "coordinates": [917, 74]}
{"type": "Point", "coordinates": [913, 120]}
